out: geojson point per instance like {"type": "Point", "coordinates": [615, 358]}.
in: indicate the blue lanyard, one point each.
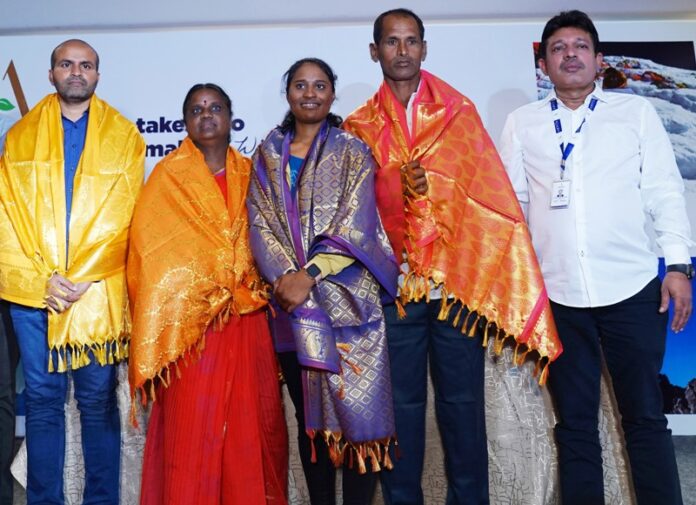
{"type": "Point", "coordinates": [566, 149]}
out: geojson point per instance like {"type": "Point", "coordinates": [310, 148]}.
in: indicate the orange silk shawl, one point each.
{"type": "Point", "coordinates": [189, 262]}
{"type": "Point", "coordinates": [468, 233]}
{"type": "Point", "coordinates": [33, 228]}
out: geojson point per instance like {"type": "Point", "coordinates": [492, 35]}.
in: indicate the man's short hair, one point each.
{"type": "Point", "coordinates": [568, 19]}
{"type": "Point", "coordinates": [377, 30]}
{"type": "Point", "coordinates": [53, 53]}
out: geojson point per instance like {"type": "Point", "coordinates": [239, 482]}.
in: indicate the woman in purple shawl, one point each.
{"type": "Point", "coordinates": [317, 238]}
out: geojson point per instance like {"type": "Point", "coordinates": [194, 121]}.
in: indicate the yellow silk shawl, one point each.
{"type": "Point", "coordinates": [468, 234]}
{"type": "Point", "coordinates": [33, 228]}
{"type": "Point", "coordinates": [189, 264]}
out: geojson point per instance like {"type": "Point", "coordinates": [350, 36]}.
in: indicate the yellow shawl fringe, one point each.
{"type": "Point", "coordinates": [107, 353]}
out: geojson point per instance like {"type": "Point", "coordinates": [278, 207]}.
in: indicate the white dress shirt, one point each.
{"type": "Point", "coordinates": [596, 251]}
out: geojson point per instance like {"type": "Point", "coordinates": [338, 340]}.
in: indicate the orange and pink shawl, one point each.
{"type": "Point", "coordinates": [468, 234]}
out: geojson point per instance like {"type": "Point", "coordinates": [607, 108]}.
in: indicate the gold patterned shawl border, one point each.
{"type": "Point", "coordinates": [416, 288]}
{"type": "Point", "coordinates": [341, 451]}
{"type": "Point", "coordinates": [187, 356]}
{"type": "Point", "coordinates": [106, 353]}
{"type": "Point", "coordinates": [164, 375]}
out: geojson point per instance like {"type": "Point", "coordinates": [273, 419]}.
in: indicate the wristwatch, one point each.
{"type": "Point", "coordinates": [684, 268]}
{"type": "Point", "coordinates": [314, 272]}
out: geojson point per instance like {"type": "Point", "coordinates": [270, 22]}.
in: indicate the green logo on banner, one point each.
{"type": "Point", "coordinates": [5, 104]}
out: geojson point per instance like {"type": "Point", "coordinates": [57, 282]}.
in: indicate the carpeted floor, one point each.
{"type": "Point", "coordinates": [686, 459]}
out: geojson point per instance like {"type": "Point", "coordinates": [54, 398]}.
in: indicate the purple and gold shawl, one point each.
{"type": "Point", "coordinates": [339, 332]}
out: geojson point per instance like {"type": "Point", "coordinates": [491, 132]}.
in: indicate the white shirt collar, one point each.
{"type": "Point", "coordinates": [597, 91]}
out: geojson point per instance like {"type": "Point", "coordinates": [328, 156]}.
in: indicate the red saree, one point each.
{"type": "Point", "coordinates": [217, 434]}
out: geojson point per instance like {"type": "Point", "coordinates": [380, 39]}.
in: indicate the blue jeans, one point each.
{"type": "Point", "coordinates": [630, 335]}
{"type": "Point", "coordinates": [457, 367]}
{"type": "Point", "coordinates": [95, 387]}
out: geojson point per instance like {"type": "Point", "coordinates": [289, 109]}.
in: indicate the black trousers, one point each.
{"type": "Point", "coordinates": [8, 365]}
{"type": "Point", "coordinates": [631, 337]}
{"type": "Point", "coordinates": [321, 476]}
{"type": "Point", "coordinates": [457, 369]}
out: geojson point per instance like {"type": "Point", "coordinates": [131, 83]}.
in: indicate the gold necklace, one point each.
{"type": "Point", "coordinates": [218, 171]}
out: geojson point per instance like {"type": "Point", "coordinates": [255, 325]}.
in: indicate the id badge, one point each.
{"type": "Point", "coordinates": [560, 194]}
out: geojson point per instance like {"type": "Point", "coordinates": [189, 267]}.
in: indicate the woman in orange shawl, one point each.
{"type": "Point", "coordinates": [200, 342]}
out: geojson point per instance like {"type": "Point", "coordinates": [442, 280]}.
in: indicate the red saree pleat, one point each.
{"type": "Point", "coordinates": [217, 434]}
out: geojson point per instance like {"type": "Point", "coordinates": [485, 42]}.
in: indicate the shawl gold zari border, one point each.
{"type": "Point", "coordinates": [33, 228]}
{"type": "Point", "coordinates": [468, 234]}
{"type": "Point", "coordinates": [189, 263]}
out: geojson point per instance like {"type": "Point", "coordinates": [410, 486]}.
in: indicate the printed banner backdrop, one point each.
{"type": "Point", "coordinates": [145, 74]}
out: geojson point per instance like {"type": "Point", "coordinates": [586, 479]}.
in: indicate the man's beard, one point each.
{"type": "Point", "coordinates": [75, 94]}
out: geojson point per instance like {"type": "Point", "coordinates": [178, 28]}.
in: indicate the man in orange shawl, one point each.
{"type": "Point", "coordinates": [201, 346]}
{"type": "Point", "coordinates": [69, 177]}
{"type": "Point", "coordinates": [468, 264]}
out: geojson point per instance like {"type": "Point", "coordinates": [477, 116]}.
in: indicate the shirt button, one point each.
{"type": "Point", "coordinates": [582, 254]}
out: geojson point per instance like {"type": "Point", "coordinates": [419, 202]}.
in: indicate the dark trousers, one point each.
{"type": "Point", "coordinates": [631, 336]}
{"type": "Point", "coordinates": [95, 392]}
{"type": "Point", "coordinates": [321, 476]}
{"type": "Point", "coordinates": [457, 366]}
{"type": "Point", "coordinates": [8, 364]}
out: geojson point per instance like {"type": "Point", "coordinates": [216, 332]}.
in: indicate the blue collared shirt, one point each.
{"type": "Point", "coordinates": [74, 134]}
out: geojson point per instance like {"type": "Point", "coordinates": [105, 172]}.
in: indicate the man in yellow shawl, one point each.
{"type": "Point", "coordinates": [468, 264]}
{"type": "Point", "coordinates": [69, 177]}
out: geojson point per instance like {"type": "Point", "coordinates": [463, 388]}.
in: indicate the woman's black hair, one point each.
{"type": "Point", "coordinates": [288, 123]}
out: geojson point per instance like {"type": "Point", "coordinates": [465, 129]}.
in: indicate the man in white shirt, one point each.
{"type": "Point", "coordinates": [587, 167]}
